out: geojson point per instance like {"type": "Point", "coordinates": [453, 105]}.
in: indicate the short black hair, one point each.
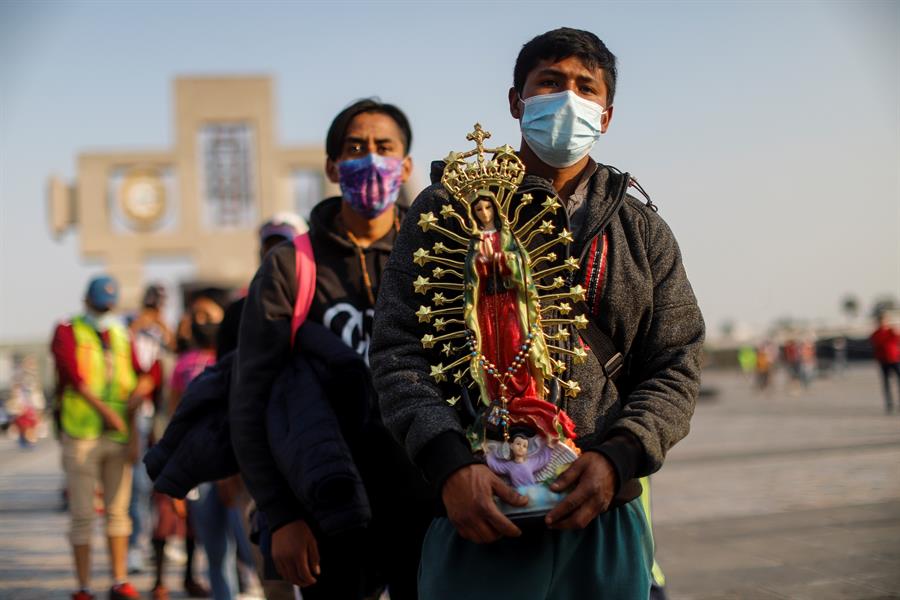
{"type": "Point", "coordinates": [562, 43]}
{"type": "Point", "coordinates": [334, 141]}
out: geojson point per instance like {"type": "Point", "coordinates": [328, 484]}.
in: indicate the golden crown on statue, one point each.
{"type": "Point", "coordinates": [501, 173]}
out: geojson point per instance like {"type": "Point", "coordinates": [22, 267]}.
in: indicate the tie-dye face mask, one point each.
{"type": "Point", "coordinates": [371, 184]}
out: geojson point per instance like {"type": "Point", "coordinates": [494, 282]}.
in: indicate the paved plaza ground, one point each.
{"type": "Point", "coordinates": [792, 494]}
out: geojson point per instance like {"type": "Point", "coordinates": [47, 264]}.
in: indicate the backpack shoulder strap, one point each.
{"type": "Point", "coordinates": [601, 344]}
{"type": "Point", "coordinates": [305, 264]}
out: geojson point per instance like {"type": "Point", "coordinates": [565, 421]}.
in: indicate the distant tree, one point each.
{"type": "Point", "coordinates": [884, 304]}
{"type": "Point", "coordinates": [850, 306]}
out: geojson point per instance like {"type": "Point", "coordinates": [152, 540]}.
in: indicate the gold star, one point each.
{"type": "Point", "coordinates": [558, 282]}
{"type": "Point", "coordinates": [420, 257]}
{"type": "Point", "coordinates": [577, 292]}
{"type": "Point", "coordinates": [447, 210]}
{"type": "Point", "coordinates": [571, 263]}
{"type": "Point", "coordinates": [428, 341]}
{"type": "Point", "coordinates": [458, 375]}
{"type": "Point", "coordinates": [447, 349]}
{"type": "Point", "coordinates": [439, 247]}
{"type": "Point", "coordinates": [452, 400]}
{"type": "Point", "coordinates": [580, 321]}
{"type": "Point", "coordinates": [572, 388]}
{"type": "Point", "coordinates": [424, 314]}
{"type": "Point", "coordinates": [565, 308]}
{"type": "Point", "coordinates": [438, 272]}
{"type": "Point", "coordinates": [439, 324]}
{"type": "Point", "coordinates": [559, 367]}
{"type": "Point", "coordinates": [551, 204]}
{"type": "Point", "coordinates": [439, 299]}
{"type": "Point", "coordinates": [580, 355]}
{"type": "Point", "coordinates": [437, 372]}
{"type": "Point", "coordinates": [562, 334]}
{"type": "Point", "coordinates": [565, 236]}
{"type": "Point", "coordinates": [421, 285]}
{"type": "Point", "coordinates": [546, 227]}
{"type": "Point", "coordinates": [526, 199]}
{"type": "Point", "coordinates": [427, 220]}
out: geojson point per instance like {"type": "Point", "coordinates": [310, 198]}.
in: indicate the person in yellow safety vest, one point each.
{"type": "Point", "coordinates": [99, 386]}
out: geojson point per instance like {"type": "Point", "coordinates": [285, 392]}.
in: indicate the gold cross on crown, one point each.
{"type": "Point", "coordinates": [478, 136]}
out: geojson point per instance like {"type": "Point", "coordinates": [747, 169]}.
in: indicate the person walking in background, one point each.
{"type": "Point", "coordinates": [26, 402]}
{"type": "Point", "coordinates": [217, 523]}
{"type": "Point", "coordinates": [282, 227]}
{"type": "Point", "coordinates": [151, 338]}
{"type": "Point", "coordinates": [766, 355]}
{"type": "Point", "coordinates": [886, 344]}
{"type": "Point", "coordinates": [367, 146]}
{"type": "Point", "coordinates": [176, 517]}
{"type": "Point", "coordinates": [100, 388]}
{"type": "Point", "coordinates": [807, 360]}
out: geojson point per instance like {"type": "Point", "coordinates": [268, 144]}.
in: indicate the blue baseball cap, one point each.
{"type": "Point", "coordinates": [103, 292]}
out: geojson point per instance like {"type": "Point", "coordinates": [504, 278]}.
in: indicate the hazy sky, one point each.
{"type": "Point", "coordinates": [767, 133]}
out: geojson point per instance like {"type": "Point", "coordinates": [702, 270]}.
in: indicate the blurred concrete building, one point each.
{"type": "Point", "coordinates": [200, 200]}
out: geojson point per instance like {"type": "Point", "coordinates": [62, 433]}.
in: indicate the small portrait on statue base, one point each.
{"type": "Point", "coordinates": [529, 463]}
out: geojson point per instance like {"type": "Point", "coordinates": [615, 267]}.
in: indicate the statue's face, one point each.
{"type": "Point", "coordinates": [484, 212]}
{"type": "Point", "coordinates": [519, 447]}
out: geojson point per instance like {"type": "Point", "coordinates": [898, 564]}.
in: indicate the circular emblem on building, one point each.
{"type": "Point", "coordinates": [143, 196]}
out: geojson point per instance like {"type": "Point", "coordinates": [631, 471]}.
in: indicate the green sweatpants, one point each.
{"type": "Point", "coordinates": [608, 560]}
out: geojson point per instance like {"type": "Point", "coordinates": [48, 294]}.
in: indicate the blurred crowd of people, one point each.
{"type": "Point", "coordinates": [135, 368]}
{"type": "Point", "coordinates": [803, 358]}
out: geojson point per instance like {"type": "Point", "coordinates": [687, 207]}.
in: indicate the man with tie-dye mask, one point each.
{"type": "Point", "coordinates": [352, 236]}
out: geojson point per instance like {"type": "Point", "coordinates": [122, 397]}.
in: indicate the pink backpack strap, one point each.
{"type": "Point", "coordinates": [306, 281]}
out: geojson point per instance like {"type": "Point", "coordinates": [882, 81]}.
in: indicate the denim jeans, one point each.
{"type": "Point", "coordinates": [141, 489]}
{"type": "Point", "coordinates": [221, 532]}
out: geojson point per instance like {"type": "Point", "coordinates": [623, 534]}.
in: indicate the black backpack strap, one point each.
{"type": "Point", "coordinates": [611, 360]}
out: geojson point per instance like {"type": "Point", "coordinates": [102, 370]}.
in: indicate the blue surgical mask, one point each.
{"type": "Point", "coordinates": [561, 128]}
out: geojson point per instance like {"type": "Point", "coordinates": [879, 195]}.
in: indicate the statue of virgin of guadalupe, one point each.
{"type": "Point", "coordinates": [509, 357]}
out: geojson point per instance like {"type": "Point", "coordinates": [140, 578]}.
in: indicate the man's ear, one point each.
{"type": "Point", "coordinates": [331, 170]}
{"type": "Point", "coordinates": [515, 105]}
{"type": "Point", "coordinates": [605, 119]}
{"type": "Point", "coordinates": [407, 169]}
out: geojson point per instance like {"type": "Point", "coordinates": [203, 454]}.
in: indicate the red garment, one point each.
{"type": "Point", "coordinates": [886, 342]}
{"type": "Point", "coordinates": [498, 319]}
{"type": "Point", "coordinates": [189, 365]}
{"type": "Point", "coordinates": [63, 349]}
{"type": "Point", "coordinates": [502, 338]}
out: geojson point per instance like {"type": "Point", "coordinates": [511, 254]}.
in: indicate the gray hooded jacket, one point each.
{"type": "Point", "coordinates": [640, 297]}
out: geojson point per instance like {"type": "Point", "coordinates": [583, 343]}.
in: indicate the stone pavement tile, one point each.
{"type": "Point", "coordinates": [738, 582]}
{"type": "Point", "coordinates": [832, 589]}
{"type": "Point", "coordinates": [888, 582]}
{"type": "Point", "coordinates": [801, 522]}
{"type": "Point", "coordinates": [694, 557]}
{"type": "Point", "coordinates": [785, 549]}
{"type": "Point", "coordinates": [852, 567]}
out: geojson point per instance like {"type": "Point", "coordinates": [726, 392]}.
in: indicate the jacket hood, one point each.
{"type": "Point", "coordinates": [325, 228]}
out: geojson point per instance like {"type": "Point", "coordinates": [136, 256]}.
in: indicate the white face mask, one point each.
{"type": "Point", "coordinates": [561, 128]}
{"type": "Point", "coordinates": [101, 321]}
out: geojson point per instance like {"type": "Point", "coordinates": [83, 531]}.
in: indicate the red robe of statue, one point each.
{"type": "Point", "coordinates": [502, 337]}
